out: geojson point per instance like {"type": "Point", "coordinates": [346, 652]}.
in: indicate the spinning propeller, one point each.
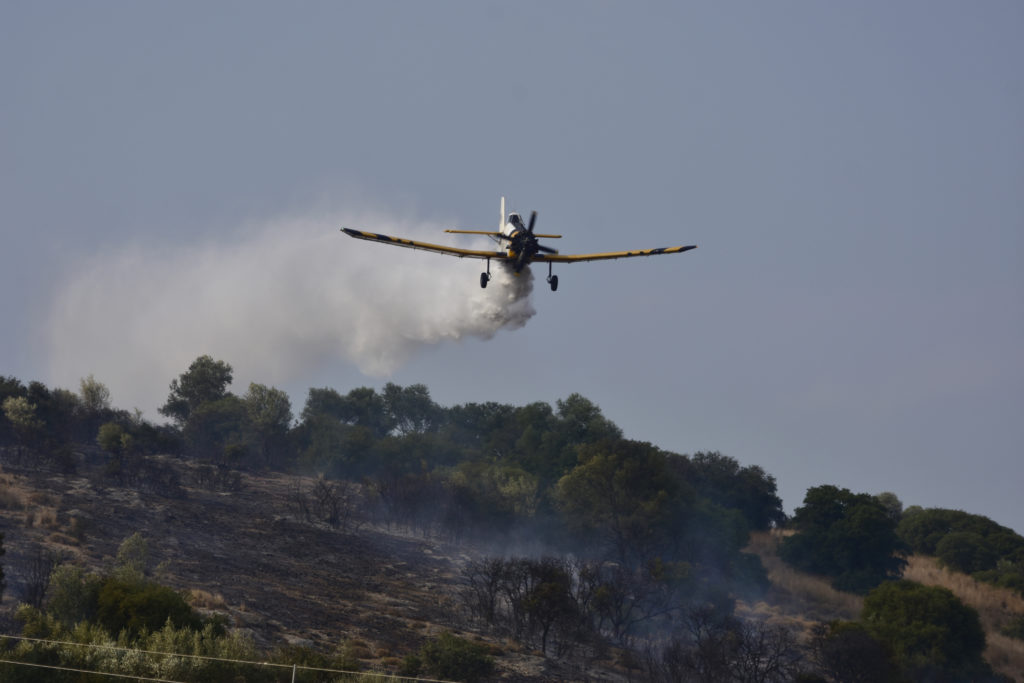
{"type": "Point", "coordinates": [525, 243]}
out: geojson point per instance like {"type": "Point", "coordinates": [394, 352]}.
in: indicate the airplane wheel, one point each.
{"type": "Point", "coordinates": [554, 283]}
{"type": "Point", "coordinates": [484, 277]}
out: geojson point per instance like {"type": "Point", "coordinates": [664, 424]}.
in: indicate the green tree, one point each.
{"type": "Point", "coordinates": [850, 537]}
{"type": "Point", "coordinates": [21, 414]}
{"type": "Point", "coordinates": [969, 543]}
{"type": "Point", "coordinates": [966, 551]}
{"type": "Point", "coordinates": [491, 496]}
{"type": "Point", "coordinates": [362, 407]}
{"type": "Point", "coordinates": [205, 381]}
{"type": "Point", "coordinates": [3, 582]}
{"type": "Point", "coordinates": [486, 429]}
{"type": "Point", "coordinates": [931, 633]}
{"type": "Point", "coordinates": [578, 421]}
{"type": "Point", "coordinates": [410, 409]}
{"type": "Point", "coordinates": [132, 558]}
{"type": "Point", "coordinates": [10, 387]}
{"type": "Point", "coordinates": [530, 449]}
{"type": "Point", "coordinates": [269, 412]}
{"type": "Point", "coordinates": [94, 403]}
{"type": "Point", "coordinates": [623, 493]}
{"type": "Point", "coordinates": [60, 412]}
{"type": "Point", "coordinates": [215, 430]}
{"type": "Point", "coordinates": [94, 396]}
{"type": "Point", "coordinates": [74, 595]}
{"type": "Point", "coordinates": [892, 504]}
{"type": "Point", "coordinates": [581, 421]}
{"type": "Point", "coordinates": [113, 438]}
{"type": "Point", "coordinates": [750, 490]}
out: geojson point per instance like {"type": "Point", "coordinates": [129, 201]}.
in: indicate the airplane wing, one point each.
{"type": "Point", "coordinates": [500, 234]}
{"type": "Point", "coordinates": [426, 246]}
{"type": "Point", "coordinates": [574, 258]}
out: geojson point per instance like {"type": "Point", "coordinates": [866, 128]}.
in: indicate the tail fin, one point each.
{"type": "Point", "coordinates": [501, 218]}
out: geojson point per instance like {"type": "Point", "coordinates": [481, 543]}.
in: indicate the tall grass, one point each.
{"type": "Point", "coordinates": [802, 599]}
{"type": "Point", "coordinates": [997, 607]}
{"type": "Point", "coordinates": [794, 595]}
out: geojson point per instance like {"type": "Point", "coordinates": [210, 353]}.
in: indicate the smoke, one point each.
{"type": "Point", "coordinates": [276, 302]}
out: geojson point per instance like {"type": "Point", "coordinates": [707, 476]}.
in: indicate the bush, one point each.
{"type": "Point", "coordinates": [932, 634]}
{"type": "Point", "coordinates": [454, 659]}
{"type": "Point", "coordinates": [137, 606]}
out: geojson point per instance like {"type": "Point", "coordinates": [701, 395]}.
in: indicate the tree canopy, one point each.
{"type": "Point", "coordinates": [849, 537]}
{"type": "Point", "coordinates": [968, 543]}
{"type": "Point", "coordinates": [205, 381]}
{"type": "Point", "coordinates": [931, 633]}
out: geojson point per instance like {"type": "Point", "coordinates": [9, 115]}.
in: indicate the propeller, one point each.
{"type": "Point", "coordinates": [525, 242]}
{"type": "Point", "coordinates": [529, 229]}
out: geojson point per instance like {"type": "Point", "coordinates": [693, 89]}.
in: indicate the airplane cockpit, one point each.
{"type": "Point", "coordinates": [516, 221]}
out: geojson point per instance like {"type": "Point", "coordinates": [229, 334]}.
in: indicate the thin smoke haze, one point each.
{"type": "Point", "coordinates": [276, 302]}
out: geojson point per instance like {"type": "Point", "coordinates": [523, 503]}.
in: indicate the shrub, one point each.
{"type": "Point", "coordinates": [1015, 629]}
{"type": "Point", "coordinates": [932, 634]}
{"type": "Point", "coordinates": [455, 659]}
{"type": "Point", "coordinates": [137, 606]}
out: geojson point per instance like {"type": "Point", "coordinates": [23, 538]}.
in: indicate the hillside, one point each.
{"type": "Point", "coordinates": [801, 600]}
{"type": "Point", "coordinates": [249, 554]}
{"type": "Point", "coordinates": [470, 542]}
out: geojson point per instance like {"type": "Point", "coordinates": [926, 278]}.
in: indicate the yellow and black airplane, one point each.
{"type": "Point", "coordinates": [522, 250]}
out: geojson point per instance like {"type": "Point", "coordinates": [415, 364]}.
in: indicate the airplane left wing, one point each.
{"type": "Point", "coordinates": [574, 258]}
{"type": "Point", "coordinates": [426, 246]}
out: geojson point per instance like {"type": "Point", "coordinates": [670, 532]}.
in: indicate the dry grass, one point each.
{"type": "Point", "coordinates": [43, 518]}
{"type": "Point", "coordinates": [11, 499]}
{"type": "Point", "coordinates": [796, 597]}
{"type": "Point", "coordinates": [57, 538]}
{"type": "Point", "coordinates": [800, 600]}
{"type": "Point", "coordinates": [996, 607]}
{"type": "Point", "coordinates": [12, 495]}
{"type": "Point", "coordinates": [206, 600]}
{"type": "Point", "coordinates": [1006, 655]}
{"type": "Point", "coordinates": [42, 498]}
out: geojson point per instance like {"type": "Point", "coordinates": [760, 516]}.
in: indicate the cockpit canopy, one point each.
{"type": "Point", "coordinates": [515, 220]}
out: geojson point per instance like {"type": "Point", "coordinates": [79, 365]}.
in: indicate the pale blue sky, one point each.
{"type": "Point", "coordinates": [852, 173]}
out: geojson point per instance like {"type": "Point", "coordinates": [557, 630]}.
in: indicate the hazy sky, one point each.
{"type": "Point", "coordinates": [173, 176]}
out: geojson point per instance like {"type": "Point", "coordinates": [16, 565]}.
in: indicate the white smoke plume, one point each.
{"type": "Point", "coordinates": [276, 301]}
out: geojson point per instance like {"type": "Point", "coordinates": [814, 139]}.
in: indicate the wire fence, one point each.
{"type": "Point", "coordinates": [294, 669]}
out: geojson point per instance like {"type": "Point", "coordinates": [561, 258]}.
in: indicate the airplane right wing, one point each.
{"type": "Point", "coordinates": [575, 258]}
{"type": "Point", "coordinates": [426, 246]}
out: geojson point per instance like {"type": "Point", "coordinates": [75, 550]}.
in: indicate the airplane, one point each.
{"type": "Point", "coordinates": [523, 247]}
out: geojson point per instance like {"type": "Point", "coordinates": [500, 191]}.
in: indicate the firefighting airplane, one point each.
{"type": "Point", "coordinates": [523, 247]}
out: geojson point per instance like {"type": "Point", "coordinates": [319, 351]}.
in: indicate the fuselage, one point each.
{"type": "Point", "coordinates": [522, 246]}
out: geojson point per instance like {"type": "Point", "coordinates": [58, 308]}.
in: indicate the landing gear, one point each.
{"type": "Point", "coordinates": [486, 277]}
{"type": "Point", "coordinates": [552, 279]}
